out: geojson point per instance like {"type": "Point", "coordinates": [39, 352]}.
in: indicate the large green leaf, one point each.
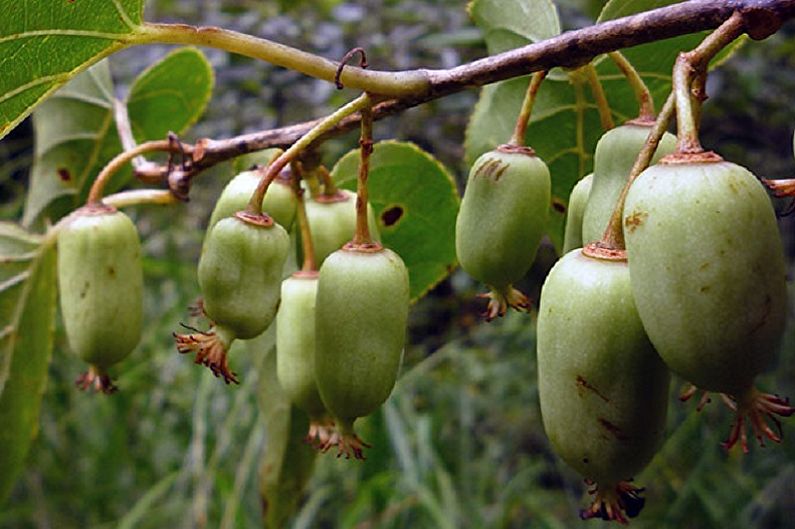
{"type": "Point", "coordinates": [565, 124]}
{"type": "Point", "coordinates": [416, 203]}
{"type": "Point", "coordinates": [27, 320]}
{"type": "Point", "coordinates": [43, 44]}
{"type": "Point", "coordinates": [507, 25]}
{"type": "Point", "coordinates": [76, 132]}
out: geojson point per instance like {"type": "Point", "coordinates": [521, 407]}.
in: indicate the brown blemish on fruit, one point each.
{"type": "Point", "coordinates": [765, 313]}
{"type": "Point", "coordinates": [704, 289]}
{"type": "Point", "coordinates": [612, 428]}
{"type": "Point", "coordinates": [64, 174]}
{"type": "Point", "coordinates": [634, 220]}
{"type": "Point", "coordinates": [583, 384]}
{"type": "Point", "coordinates": [392, 215]}
{"type": "Point", "coordinates": [492, 169]}
{"type": "Point", "coordinates": [84, 291]}
{"type": "Point", "coordinates": [704, 266]}
{"type": "Point", "coordinates": [111, 271]}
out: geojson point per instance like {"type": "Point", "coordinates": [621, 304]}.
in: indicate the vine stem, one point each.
{"type": "Point", "coordinates": [309, 264]}
{"type": "Point", "coordinates": [598, 91]}
{"type": "Point", "coordinates": [613, 237]}
{"type": "Point", "coordinates": [98, 187]}
{"type": "Point", "coordinates": [691, 65]}
{"type": "Point", "coordinates": [642, 93]}
{"type": "Point", "coordinates": [520, 130]}
{"type": "Point", "coordinates": [393, 84]}
{"type": "Point", "coordinates": [269, 173]}
{"type": "Point", "coordinates": [362, 234]}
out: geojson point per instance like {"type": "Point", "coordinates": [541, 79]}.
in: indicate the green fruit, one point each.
{"type": "Point", "coordinates": [279, 202]}
{"type": "Point", "coordinates": [502, 219]}
{"type": "Point", "coordinates": [614, 157]}
{"type": "Point", "coordinates": [708, 271]}
{"type": "Point", "coordinates": [577, 201]}
{"type": "Point", "coordinates": [295, 342]}
{"type": "Point", "coordinates": [332, 220]}
{"type": "Point", "coordinates": [602, 388]}
{"type": "Point", "coordinates": [101, 288]}
{"type": "Point", "coordinates": [362, 309]}
{"type": "Point", "coordinates": [239, 274]}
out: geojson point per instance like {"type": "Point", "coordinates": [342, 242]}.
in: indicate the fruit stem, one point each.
{"type": "Point", "coordinates": [527, 108]}
{"type": "Point", "coordinates": [117, 163]}
{"type": "Point", "coordinates": [269, 174]}
{"type": "Point", "coordinates": [329, 187]}
{"type": "Point", "coordinates": [140, 196]}
{"type": "Point", "coordinates": [309, 264]}
{"type": "Point", "coordinates": [692, 65]}
{"type": "Point", "coordinates": [362, 234]}
{"type": "Point", "coordinates": [642, 93]}
{"type": "Point", "coordinates": [613, 237]}
{"type": "Point", "coordinates": [598, 91]}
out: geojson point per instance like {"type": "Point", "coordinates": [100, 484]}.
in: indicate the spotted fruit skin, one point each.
{"type": "Point", "coordinates": [708, 271]}
{"type": "Point", "coordinates": [361, 315]}
{"type": "Point", "coordinates": [602, 387]}
{"type": "Point", "coordinates": [101, 284]}
{"type": "Point", "coordinates": [577, 200]}
{"type": "Point", "coordinates": [240, 274]}
{"type": "Point", "coordinates": [295, 342]}
{"type": "Point", "coordinates": [502, 217]}
{"type": "Point", "coordinates": [333, 223]}
{"type": "Point", "coordinates": [614, 157]}
{"type": "Point", "coordinates": [279, 201]}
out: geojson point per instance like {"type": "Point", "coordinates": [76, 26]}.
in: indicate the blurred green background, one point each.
{"type": "Point", "coordinates": [460, 442]}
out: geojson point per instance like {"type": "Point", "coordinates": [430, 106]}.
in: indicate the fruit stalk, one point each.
{"type": "Point", "coordinates": [362, 234]}
{"type": "Point", "coordinates": [326, 124]}
{"type": "Point", "coordinates": [308, 248]}
{"type": "Point", "coordinates": [690, 65]}
{"type": "Point", "coordinates": [527, 108]}
{"type": "Point", "coordinates": [598, 91]}
{"type": "Point", "coordinates": [642, 93]}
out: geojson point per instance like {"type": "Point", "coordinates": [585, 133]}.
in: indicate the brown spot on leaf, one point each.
{"type": "Point", "coordinates": [111, 271]}
{"type": "Point", "coordinates": [613, 429]}
{"type": "Point", "coordinates": [635, 219]}
{"type": "Point", "coordinates": [391, 216]}
{"type": "Point", "coordinates": [64, 174]}
{"type": "Point", "coordinates": [558, 205]}
{"type": "Point", "coordinates": [583, 385]}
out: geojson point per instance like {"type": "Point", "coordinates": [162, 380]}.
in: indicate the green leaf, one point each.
{"type": "Point", "coordinates": [508, 25]}
{"type": "Point", "coordinates": [27, 323]}
{"type": "Point", "coordinates": [76, 132]}
{"type": "Point", "coordinates": [170, 95]}
{"type": "Point", "coordinates": [623, 8]}
{"type": "Point", "coordinates": [43, 44]}
{"type": "Point", "coordinates": [415, 201]}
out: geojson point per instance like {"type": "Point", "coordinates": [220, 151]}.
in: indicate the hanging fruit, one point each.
{"type": "Point", "coordinates": [577, 200]}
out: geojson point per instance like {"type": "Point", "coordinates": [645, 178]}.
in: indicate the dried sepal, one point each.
{"type": "Point", "coordinates": [501, 299]}
{"type": "Point", "coordinates": [210, 351]}
{"type": "Point", "coordinates": [614, 504]}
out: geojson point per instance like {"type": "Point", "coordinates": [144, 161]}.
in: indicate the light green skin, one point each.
{"type": "Point", "coordinates": [295, 344]}
{"type": "Point", "coordinates": [240, 273]}
{"type": "Point", "coordinates": [362, 309]}
{"type": "Point", "coordinates": [708, 271]}
{"type": "Point", "coordinates": [333, 224]}
{"type": "Point", "coordinates": [577, 200]}
{"type": "Point", "coordinates": [614, 157]}
{"type": "Point", "coordinates": [279, 201]}
{"type": "Point", "coordinates": [603, 390]}
{"type": "Point", "coordinates": [502, 217]}
{"type": "Point", "coordinates": [101, 286]}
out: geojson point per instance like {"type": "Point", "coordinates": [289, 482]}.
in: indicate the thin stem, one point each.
{"type": "Point", "coordinates": [523, 119]}
{"type": "Point", "coordinates": [161, 197]}
{"type": "Point", "coordinates": [329, 187]}
{"type": "Point", "coordinates": [309, 264]}
{"type": "Point", "coordinates": [598, 91]}
{"type": "Point", "coordinates": [690, 65]}
{"type": "Point", "coordinates": [642, 93]}
{"type": "Point", "coordinates": [362, 234]}
{"type": "Point", "coordinates": [613, 237]}
{"type": "Point", "coordinates": [95, 194]}
{"type": "Point", "coordinates": [255, 204]}
{"type": "Point", "coordinates": [393, 84]}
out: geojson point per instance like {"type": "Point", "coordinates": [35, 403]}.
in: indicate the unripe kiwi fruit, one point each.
{"type": "Point", "coordinates": [332, 219]}
{"type": "Point", "coordinates": [603, 389]}
{"type": "Point", "coordinates": [239, 275]}
{"type": "Point", "coordinates": [708, 273]}
{"type": "Point", "coordinates": [501, 221]}
{"type": "Point", "coordinates": [101, 288]}
{"type": "Point", "coordinates": [614, 157]}
{"type": "Point", "coordinates": [361, 315]}
{"type": "Point", "coordinates": [279, 202]}
{"type": "Point", "coordinates": [295, 351]}
{"type": "Point", "coordinates": [577, 200]}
